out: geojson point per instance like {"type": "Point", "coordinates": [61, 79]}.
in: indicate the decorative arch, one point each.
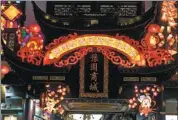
{"type": "Point", "coordinates": [83, 44]}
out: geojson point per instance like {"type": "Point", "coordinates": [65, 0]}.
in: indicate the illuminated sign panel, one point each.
{"type": "Point", "coordinates": [92, 40]}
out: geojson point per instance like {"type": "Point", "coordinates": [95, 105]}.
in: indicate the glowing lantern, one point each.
{"type": "Point", "coordinates": [155, 93]}
{"type": "Point", "coordinates": [34, 28]}
{"type": "Point", "coordinates": [153, 90]}
{"type": "Point", "coordinates": [147, 88]}
{"type": "Point", "coordinates": [151, 40]}
{"type": "Point", "coordinates": [3, 23]}
{"type": "Point", "coordinates": [62, 98]}
{"type": "Point", "coordinates": [2, 7]}
{"type": "Point", "coordinates": [130, 101]}
{"type": "Point", "coordinates": [63, 93]}
{"type": "Point", "coordinates": [64, 89]}
{"type": "Point", "coordinates": [153, 28]}
{"type": "Point", "coordinates": [4, 69]}
{"type": "Point", "coordinates": [12, 13]}
{"type": "Point", "coordinates": [47, 85]}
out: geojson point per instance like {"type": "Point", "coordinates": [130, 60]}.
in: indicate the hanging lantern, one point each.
{"type": "Point", "coordinates": [153, 28]}
{"type": "Point", "coordinates": [34, 29]}
{"type": "Point", "coordinates": [4, 69]}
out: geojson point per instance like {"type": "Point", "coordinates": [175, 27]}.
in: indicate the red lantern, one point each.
{"type": "Point", "coordinates": [154, 28]}
{"type": "Point", "coordinates": [34, 28]}
{"type": "Point", "coordinates": [4, 69]}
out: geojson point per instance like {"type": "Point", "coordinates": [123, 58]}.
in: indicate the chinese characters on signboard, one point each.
{"type": "Point", "coordinates": [94, 76]}
{"type": "Point", "coordinates": [10, 39]}
{"type": "Point", "coordinates": [94, 72]}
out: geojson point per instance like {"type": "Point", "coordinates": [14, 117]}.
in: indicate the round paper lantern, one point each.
{"type": "Point", "coordinates": [4, 69]}
{"type": "Point", "coordinates": [154, 28]}
{"type": "Point", "coordinates": [34, 28]}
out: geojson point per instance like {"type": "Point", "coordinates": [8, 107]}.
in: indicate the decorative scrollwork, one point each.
{"type": "Point", "coordinates": [111, 55]}
{"type": "Point", "coordinates": [140, 54]}
{"type": "Point", "coordinates": [157, 57]}
{"type": "Point", "coordinates": [60, 40]}
{"type": "Point", "coordinates": [73, 59]}
{"type": "Point", "coordinates": [34, 57]}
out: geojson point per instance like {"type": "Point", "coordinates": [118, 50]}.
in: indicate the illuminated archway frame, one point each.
{"type": "Point", "coordinates": [105, 44]}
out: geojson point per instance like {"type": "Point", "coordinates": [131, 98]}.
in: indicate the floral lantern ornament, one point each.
{"type": "Point", "coordinates": [31, 35]}
{"type": "Point", "coordinates": [51, 100]}
{"type": "Point", "coordinates": [144, 99]}
{"type": "Point", "coordinates": [151, 37]}
{"type": "Point", "coordinates": [32, 41]}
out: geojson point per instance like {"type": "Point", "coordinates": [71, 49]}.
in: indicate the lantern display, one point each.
{"type": "Point", "coordinates": [34, 29]}
{"type": "Point", "coordinates": [52, 99]}
{"type": "Point", "coordinates": [4, 69]}
{"type": "Point", "coordinates": [144, 99]}
{"type": "Point", "coordinates": [12, 13]}
{"type": "Point", "coordinates": [31, 41]}
{"type": "Point", "coordinates": [153, 28]}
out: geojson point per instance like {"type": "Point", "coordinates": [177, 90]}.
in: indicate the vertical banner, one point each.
{"type": "Point", "coordinates": [94, 76]}
{"type": "Point", "coordinates": [10, 39]}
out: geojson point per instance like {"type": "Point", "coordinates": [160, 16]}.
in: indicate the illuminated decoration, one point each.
{"type": "Point", "coordinates": [144, 99]}
{"type": "Point", "coordinates": [31, 41]}
{"type": "Point", "coordinates": [73, 43]}
{"type": "Point", "coordinates": [47, 17]}
{"type": "Point", "coordinates": [12, 13]}
{"type": "Point", "coordinates": [73, 59]}
{"type": "Point", "coordinates": [109, 46]}
{"type": "Point", "coordinates": [169, 12]}
{"type": "Point", "coordinates": [51, 100]}
{"type": "Point", "coordinates": [11, 24]}
{"type": "Point", "coordinates": [34, 29]}
{"type": "Point", "coordinates": [57, 52]}
{"type": "Point", "coordinates": [116, 59]}
{"type": "Point", "coordinates": [2, 7]}
{"type": "Point", "coordinates": [153, 28]}
{"type": "Point", "coordinates": [3, 23]}
{"type": "Point", "coordinates": [163, 36]}
{"type": "Point", "coordinates": [151, 37]}
{"type": "Point", "coordinates": [169, 16]}
{"type": "Point", "coordinates": [4, 70]}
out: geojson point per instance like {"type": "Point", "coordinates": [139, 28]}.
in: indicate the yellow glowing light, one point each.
{"type": "Point", "coordinates": [12, 12]}
{"type": "Point", "coordinates": [93, 40]}
{"type": "Point", "coordinates": [54, 21]}
{"type": "Point", "coordinates": [2, 7]}
{"type": "Point", "coordinates": [3, 22]}
{"type": "Point", "coordinates": [47, 17]}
